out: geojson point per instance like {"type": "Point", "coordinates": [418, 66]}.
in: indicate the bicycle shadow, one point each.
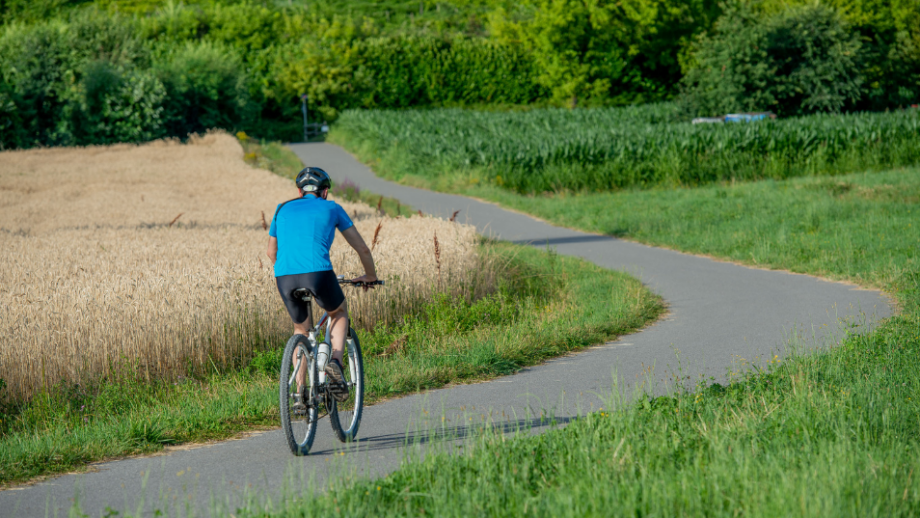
{"type": "Point", "coordinates": [446, 433]}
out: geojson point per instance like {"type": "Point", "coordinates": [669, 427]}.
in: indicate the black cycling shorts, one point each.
{"type": "Point", "coordinates": [325, 288]}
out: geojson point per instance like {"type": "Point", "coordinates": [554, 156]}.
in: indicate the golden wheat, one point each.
{"type": "Point", "coordinates": [150, 260]}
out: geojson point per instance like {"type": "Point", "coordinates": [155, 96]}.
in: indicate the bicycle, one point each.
{"type": "Point", "coordinates": [299, 415]}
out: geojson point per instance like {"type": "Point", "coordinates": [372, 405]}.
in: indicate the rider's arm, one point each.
{"type": "Point", "coordinates": [367, 260]}
{"type": "Point", "coordinates": [272, 251]}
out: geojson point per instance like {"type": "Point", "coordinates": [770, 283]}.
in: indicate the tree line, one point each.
{"type": "Point", "coordinates": [84, 72]}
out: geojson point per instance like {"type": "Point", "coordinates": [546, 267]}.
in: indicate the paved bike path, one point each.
{"type": "Point", "coordinates": [720, 316]}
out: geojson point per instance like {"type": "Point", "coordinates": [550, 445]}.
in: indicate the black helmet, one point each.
{"type": "Point", "coordinates": [313, 179]}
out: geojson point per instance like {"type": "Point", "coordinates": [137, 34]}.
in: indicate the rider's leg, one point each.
{"type": "Point", "coordinates": [338, 330]}
{"type": "Point", "coordinates": [301, 376]}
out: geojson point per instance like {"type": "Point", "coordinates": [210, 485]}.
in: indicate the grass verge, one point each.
{"type": "Point", "coordinates": [545, 306]}
{"type": "Point", "coordinates": [835, 433]}
{"type": "Point", "coordinates": [858, 227]}
{"type": "Point", "coordinates": [277, 158]}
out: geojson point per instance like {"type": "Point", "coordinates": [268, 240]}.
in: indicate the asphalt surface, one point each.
{"type": "Point", "coordinates": [722, 317]}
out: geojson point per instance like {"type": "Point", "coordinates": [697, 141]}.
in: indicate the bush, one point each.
{"type": "Point", "coordinates": [893, 76]}
{"type": "Point", "coordinates": [42, 63]}
{"type": "Point", "coordinates": [799, 61]}
{"type": "Point", "coordinates": [604, 52]}
{"type": "Point", "coordinates": [11, 127]}
{"type": "Point", "coordinates": [205, 88]}
{"type": "Point", "coordinates": [404, 71]}
{"type": "Point", "coordinates": [36, 65]}
{"type": "Point", "coordinates": [244, 65]}
{"type": "Point", "coordinates": [112, 105]}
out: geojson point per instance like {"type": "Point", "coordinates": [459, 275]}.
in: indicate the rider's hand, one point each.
{"type": "Point", "coordinates": [365, 279]}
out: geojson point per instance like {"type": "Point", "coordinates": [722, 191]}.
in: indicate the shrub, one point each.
{"type": "Point", "coordinates": [36, 64]}
{"type": "Point", "coordinates": [405, 71]}
{"type": "Point", "coordinates": [30, 9]}
{"type": "Point", "coordinates": [894, 75]}
{"type": "Point", "coordinates": [799, 61]}
{"type": "Point", "coordinates": [244, 65]}
{"type": "Point", "coordinates": [205, 88]}
{"type": "Point", "coordinates": [11, 127]}
{"type": "Point", "coordinates": [603, 52]}
{"type": "Point", "coordinates": [112, 104]}
{"type": "Point", "coordinates": [42, 63]}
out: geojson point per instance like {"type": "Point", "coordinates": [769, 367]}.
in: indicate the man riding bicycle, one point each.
{"type": "Point", "coordinates": [300, 236]}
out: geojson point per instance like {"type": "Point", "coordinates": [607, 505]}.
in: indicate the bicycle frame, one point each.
{"type": "Point", "coordinates": [311, 338]}
{"type": "Point", "coordinates": [326, 322]}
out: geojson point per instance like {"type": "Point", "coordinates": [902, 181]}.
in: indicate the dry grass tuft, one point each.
{"type": "Point", "coordinates": [175, 219]}
{"type": "Point", "coordinates": [99, 275]}
{"type": "Point", "coordinates": [437, 256]}
{"type": "Point", "coordinates": [376, 235]}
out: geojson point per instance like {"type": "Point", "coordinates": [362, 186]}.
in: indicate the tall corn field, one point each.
{"type": "Point", "coordinates": [606, 149]}
{"type": "Point", "coordinates": [149, 262]}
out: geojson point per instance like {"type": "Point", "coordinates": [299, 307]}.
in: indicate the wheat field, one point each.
{"type": "Point", "coordinates": [149, 261]}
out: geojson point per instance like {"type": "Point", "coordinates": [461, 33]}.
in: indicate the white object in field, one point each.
{"type": "Point", "coordinates": [708, 120]}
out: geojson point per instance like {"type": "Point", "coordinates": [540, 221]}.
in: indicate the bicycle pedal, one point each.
{"type": "Point", "coordinates": [299, 409]}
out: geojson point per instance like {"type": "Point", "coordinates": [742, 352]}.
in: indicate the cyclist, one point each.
{"type": "Point", "coordinates": [301, 233]}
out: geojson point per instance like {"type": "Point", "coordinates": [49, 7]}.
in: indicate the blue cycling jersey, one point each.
{"type": "Point", "coordinates": [305, 228]}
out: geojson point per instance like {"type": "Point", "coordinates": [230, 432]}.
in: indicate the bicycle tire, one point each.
{"type": "Point", "coordinates": [353, 369]}
{"type": "Point", "coordinates": [299, 430]}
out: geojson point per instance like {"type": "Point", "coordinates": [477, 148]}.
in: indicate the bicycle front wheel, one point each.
{"type": "Point", "coordinates": [298, 375]}
{"type": "Point", "coordinates": [345, 417]}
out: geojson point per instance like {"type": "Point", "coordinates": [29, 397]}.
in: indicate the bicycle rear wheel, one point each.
{"type": "Point", "coordinates": [345, 417]}
{"type": "Point", "coordinates": [299, 425]}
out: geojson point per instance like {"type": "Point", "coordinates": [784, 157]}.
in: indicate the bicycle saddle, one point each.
{"type": "Point", "coordinates": [302, 294]}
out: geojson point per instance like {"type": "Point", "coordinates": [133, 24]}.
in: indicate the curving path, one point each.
{"type": "Point", "coordinates": [720, 315]}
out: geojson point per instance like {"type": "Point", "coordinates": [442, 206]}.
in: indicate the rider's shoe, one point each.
{"type": "Point", "coordinates": [300, 407]}
{"type": "Point", "coordinates": [337, 385]}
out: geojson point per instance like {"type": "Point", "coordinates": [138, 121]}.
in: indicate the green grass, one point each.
{"type": "Point", "coordinates": [859, 227]}
{"type": "Point", "coordinates": [835, 433]}
{"type": "Point", "coordinates": [270, 155]}
{"type": "Point", "coordinates": [608, 149]}
{"type": "Point", "coordinates": [544, 306]}
{"type": "Point", "coordinates": [352, 192]}
{"type": "Point", "coordinates": [279, 159]}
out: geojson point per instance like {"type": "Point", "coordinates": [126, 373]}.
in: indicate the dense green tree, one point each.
{"type": "Point", "coordinates": [889, 31]}
{"type": "Point", "coordinates": [800, 60]}
{"type": "Point", "coordinates": [604, 51]}
{"type": "Point", "coordinates": [205, 88]}
{"type": "Point", "coordinates": [12, 134]}
{"type": "Point", "coordinates": [43, 63]}
{"type": "Point", "coordinates": [194, 64]}
{"type": "Point", "coordinates": [32, 10]}
{"type": "Point", "coordinates": [113, 104]}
